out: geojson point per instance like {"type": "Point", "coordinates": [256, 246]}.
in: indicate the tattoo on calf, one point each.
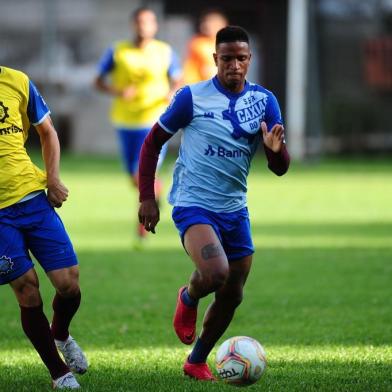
{"type": "Point", "coordinates": [211, 250]}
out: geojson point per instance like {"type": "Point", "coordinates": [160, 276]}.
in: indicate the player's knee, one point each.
{"type": "Point", "coordinates": [68, 285]}
{"type": "Point", "coordinates": [230, 299]}
{"type": "Point", "coordinates": [68, 289]}
{"type": "Point", "coordinates": [28, 294]}
{"type": "Point", "coordinates": [218, 277]}
{"type": "Point", "coordinates": [235, 299]}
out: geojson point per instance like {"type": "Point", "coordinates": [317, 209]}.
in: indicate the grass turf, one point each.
{"type": "Point", "coordinates": [318, 296]}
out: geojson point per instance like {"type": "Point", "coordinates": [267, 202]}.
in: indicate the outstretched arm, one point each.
{"type": "Point", "coordinates": [149, 211]}
{"type": "Point", "coordinates": [57, 192]}
{"type": "Point", "coordinates": [275, 149]}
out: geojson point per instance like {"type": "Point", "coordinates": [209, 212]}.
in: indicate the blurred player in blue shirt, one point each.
{"type": "Point", "coordinates": [223, 120]}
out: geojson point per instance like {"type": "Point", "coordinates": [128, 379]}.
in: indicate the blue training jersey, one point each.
{"type": "Point", "coordinates": [221, 132]}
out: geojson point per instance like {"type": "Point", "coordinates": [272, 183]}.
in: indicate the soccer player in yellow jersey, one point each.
{"type": "Point", "coordinates": [29, 224]}
{"type": "Point", "coordinates": [141, 75]}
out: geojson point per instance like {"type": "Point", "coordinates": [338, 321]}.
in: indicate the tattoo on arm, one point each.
{"type": "Point", "coordinates": [211, 250]}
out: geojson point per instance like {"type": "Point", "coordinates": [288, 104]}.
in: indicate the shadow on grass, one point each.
{"type": "Point", "coordinates": [335, 234]}
{"type": "Point", "coordinates": [293, 296]}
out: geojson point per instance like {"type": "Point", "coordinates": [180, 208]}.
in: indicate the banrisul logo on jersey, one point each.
{"type": "Point", "coordinates": [222, 152]}
{"type": "Point", "coordinates": [245, 115]}
{"type": "Point", "coordinates": [3, 112]}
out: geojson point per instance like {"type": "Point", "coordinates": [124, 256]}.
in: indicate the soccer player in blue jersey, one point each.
{"type": "Point", "coordinates": [141, 75]}
{"type": "Point", "coordinates": [223, 121]}
{"type": "Point", "coordinates": [29, 224]}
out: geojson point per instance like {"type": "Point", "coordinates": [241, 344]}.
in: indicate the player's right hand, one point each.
{"type": "Point", "coordinates": [57, 193]}
{"type": "Point", "coordinates": [149, 214]}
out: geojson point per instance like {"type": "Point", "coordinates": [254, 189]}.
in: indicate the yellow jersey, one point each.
{"type": "Point", "coordinates": [148, 70]}
{"type": "Point", "coordinates": [20, 105]}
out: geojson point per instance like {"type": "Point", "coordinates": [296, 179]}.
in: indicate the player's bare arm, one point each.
{"type": "Point", "coordinates": [57, 192]}
{"type": "Point", "coordinates": [104, 86]}
{"type": "Point", "coordinates": [274, 139]}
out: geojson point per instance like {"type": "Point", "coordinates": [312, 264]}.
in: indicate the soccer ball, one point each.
{"type": "Point", "coordinates": [240, 361]}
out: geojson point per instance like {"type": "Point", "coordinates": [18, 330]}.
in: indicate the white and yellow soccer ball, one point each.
{"type": "Point", "coordinates": [240, 361]}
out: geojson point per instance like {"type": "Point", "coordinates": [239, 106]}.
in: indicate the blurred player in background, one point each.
{"type": "Point", "coordinates": [199, 63]}
{"type": "Point", "coordinates": [144, 73]}
{"type": "Point", "coordinates": [223, 120]}
{"type": "Point", "coordinates": [28, 223]}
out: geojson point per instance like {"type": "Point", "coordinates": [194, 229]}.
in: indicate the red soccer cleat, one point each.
{"type": "Point", "coordinates": [184, 321]}
{"type": "Point", "coordinates": [198, 371]}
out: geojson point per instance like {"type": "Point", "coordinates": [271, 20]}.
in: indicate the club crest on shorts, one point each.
{"type": "Point", "coordinates": [6, 265]}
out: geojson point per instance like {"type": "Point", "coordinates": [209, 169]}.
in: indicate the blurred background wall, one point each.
{"type": "Point", "coordinates": [348, 62]}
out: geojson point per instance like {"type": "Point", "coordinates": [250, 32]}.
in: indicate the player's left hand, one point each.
{"type": "Point", "coordinates": [149, 214]}
{"type": "Point", "coordinates": [57, 193]}
{"type": "Point", "coordinates": [273, 139]}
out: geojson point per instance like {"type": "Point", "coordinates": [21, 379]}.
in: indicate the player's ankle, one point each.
{"type": "Point", "coordinates": [187, 299]}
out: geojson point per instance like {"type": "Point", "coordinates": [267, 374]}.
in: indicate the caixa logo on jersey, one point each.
{"type": "Point", "coordinates": [222, 152]}
{"type": "Point", "coordinates": [6, 265]}
{"type": "Point", "coordinates": [245, 116]}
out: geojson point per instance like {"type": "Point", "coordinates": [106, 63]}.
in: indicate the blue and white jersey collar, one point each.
{"type": "Point", "coordinates": [228, 93]}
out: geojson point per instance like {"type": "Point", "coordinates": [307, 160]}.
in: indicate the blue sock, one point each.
{"type": "Point", "coordinates": [188, 300]}
{"type": "Point", "coordinates": [200, 352]}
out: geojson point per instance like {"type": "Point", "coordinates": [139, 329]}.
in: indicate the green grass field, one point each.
{"type": "Point", "coordinates": [318, 297]}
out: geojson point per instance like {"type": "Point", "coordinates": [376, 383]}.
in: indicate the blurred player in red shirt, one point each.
{"type": "Point", "coordinates": [199, 64]}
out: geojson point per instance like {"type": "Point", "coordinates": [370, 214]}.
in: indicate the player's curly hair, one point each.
{"type": "Point", "coordinates": [231, 34]}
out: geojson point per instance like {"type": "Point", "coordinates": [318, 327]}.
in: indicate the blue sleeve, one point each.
{"type": "Point", "coordinates": [37, 110]}
{"type": "Point", "coordinates": [179, 113]}
{"type": "Point", "coordinates": [106, 63]}
{"type": "Point", "coordinates": [174, 71]}
{"type": "Point", "coordinates": [272, 112]}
